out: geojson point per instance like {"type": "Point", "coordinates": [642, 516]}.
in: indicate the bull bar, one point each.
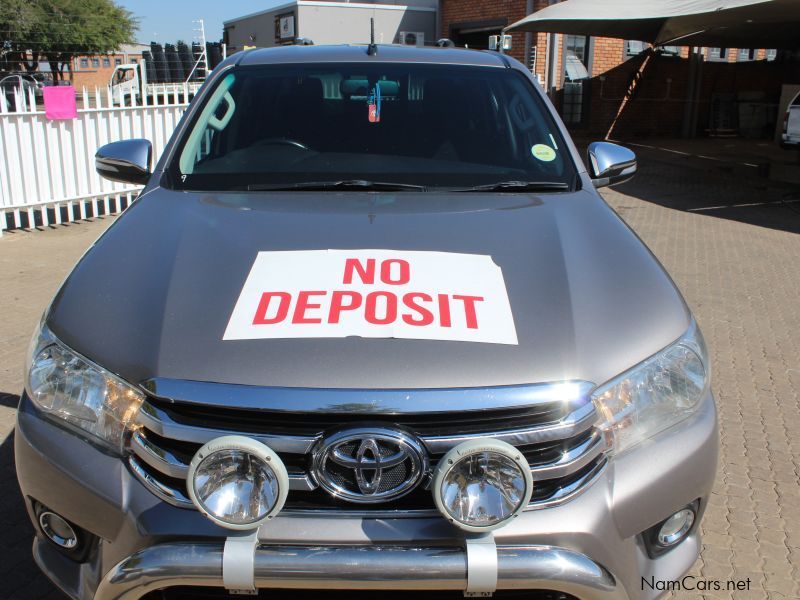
{"type": "Point", "coordinates": [359, 568]}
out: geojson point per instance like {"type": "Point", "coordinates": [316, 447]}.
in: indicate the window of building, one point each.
{"type": "Point", "coordinates": [772, 53]}
{"type": "Point", "coordinates": [634, 47]}
{"type": "Point", "coordinates": [577, 64]}
{"type": "Point", "coordinates": [106, 62]}
{"type": "Point", "coordinates": [135, 61]}
{"type": "Point", "coordinates": [577, 57]}
{"type": "Point", "coordinates": [95, 62]}
{"type": "Point", "coordinates": [117, 61]}
{"type": "Point", "coordinates": [718, 54]}
{"type": "Point", "coordinates": [670, 50]}
{"type": "Point", "coordinates": [746, 54]}
{"type": "Point", "coordinates": [84, 63]}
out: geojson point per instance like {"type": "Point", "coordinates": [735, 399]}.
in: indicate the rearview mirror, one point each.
{"type": "Point", "coordinates": [610, 164]}
{"type": "Point", "coordinates": [127, 161]}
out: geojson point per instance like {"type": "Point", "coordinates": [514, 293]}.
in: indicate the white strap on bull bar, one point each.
{"type": "Point", "coordinates": [238, 564]}
{"type": "Point", "coordinates": [481, 566]}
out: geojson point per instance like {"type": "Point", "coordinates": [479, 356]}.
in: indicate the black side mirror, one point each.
{"type": "Point", "coordinates": [610, 164]}
{"type": "Point", "coordinates": [128, 161]}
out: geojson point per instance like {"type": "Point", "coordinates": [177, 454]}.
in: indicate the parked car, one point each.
{"type": "Point", "coordinates": [791, 125]}
{"type": "Point", "coordinates": [14, 83]}
{"type": "Point", "coordinates": [368, 326]}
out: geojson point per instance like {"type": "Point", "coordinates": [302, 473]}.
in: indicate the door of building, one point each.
{"type": "Point", "coordinates": [476, 34]}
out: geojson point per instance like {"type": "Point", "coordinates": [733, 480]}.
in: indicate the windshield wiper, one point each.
{"type": "Point", "coordinates": [518, 186]}
{"type": "Point", "coordinates": [345, 184]}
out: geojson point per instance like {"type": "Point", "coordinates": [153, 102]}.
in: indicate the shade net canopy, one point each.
{"type": "Point", "coordinates": [715, 23]}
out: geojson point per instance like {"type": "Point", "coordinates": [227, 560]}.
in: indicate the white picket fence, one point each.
{"type": "Point", "coordinates": [47, 173]}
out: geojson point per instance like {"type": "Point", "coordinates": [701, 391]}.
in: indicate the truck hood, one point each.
{"type": "Point", "coordinates": [153, 296]}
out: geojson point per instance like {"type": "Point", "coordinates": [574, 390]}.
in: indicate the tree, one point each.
{"type": "Point", "coordinates": [17, 20]}
{"type": "Point", "coordinates": [59, 30]}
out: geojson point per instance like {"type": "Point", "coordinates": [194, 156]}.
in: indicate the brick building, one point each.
{"type": "Point", "coordinates": [95, 71]}
{"type": "Point", "coordinates": [470, 23]}
{"type": "Point", "coordinates": [608, 86]}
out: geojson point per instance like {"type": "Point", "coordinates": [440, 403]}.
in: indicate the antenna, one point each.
{"type": "Point", "coordinates": [372, 49]}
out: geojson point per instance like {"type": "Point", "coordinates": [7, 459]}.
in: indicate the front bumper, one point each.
{"type": "Point", "coordinates": [358, 567]}
{"type": "Point", "coordinates": [589, 547]}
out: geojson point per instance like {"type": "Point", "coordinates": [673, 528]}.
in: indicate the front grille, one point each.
{"type": "Point", "coordinates": [563, 448]}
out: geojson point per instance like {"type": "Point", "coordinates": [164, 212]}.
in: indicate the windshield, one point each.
{"type": "Point", "coordinates": [122, 75]}
{"type": "Point", "coordinates": [368, 126]}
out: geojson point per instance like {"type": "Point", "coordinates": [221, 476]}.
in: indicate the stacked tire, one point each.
{"type": "Point", "coordinates": [149, 65]}
{"type": "Point", "coordinates": [174, 64]}
{"type": "Point", "coordinates": [160, 61]}
{"type": "Point", "coordinates": [214, 54]}
{"type": "Point", "coordinates": [185, 56]}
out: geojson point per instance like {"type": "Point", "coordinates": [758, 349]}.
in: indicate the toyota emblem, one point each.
{"type": "Point", "coordinates": [368, 466]}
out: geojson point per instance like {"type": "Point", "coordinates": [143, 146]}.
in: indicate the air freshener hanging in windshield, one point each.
{"type": "Point", "coordinates": [374, 104]}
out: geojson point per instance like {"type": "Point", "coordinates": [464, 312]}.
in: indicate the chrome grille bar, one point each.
{"type": "Point", "coordinates": [166, 492]}
{"type": "Point", "coordinates": [568, 492]}
{"type": "Point", "coordinates": [158, 457]}
{"type": "Point", "coordinates": [573, 460]}
{"type": "Point", "coordinates": [161, 423]}
{"type": "Point", "coordinates": [576, 422]}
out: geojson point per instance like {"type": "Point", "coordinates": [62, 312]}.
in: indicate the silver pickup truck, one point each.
{"type": "Point", "coordinates": [369, 326]}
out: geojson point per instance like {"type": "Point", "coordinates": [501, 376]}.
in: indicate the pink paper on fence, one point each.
{"type": "Point", "coordinates": [59, 102]}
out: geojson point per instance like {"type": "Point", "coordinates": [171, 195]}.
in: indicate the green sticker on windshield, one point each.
{"type": "Point", "coordinates": [543, 152]}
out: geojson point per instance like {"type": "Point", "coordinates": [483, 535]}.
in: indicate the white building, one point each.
{"type": "Point", "coordinates": [326, 22]}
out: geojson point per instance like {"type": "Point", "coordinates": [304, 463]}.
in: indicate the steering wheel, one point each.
{"type": "Point", "coordinates": [282, 142]}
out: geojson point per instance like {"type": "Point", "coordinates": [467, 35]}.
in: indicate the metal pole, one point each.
{"type": "Point", "coordinates": [552, 51]}
{"type": "Point", "coordinates": [438, 23]}
{"type": "Point", "coordinates": [529, 39]}
{"type": "Point", "coordinates": [203, 53]}
{"type": "Point", "coordinates": [694, 77]}
{"type": "Point", "coordinates": [552, 59]}
{"type": "Point", "coordinates": [687, 107]}
{"type": "Point", "coordinates": [698, 89]}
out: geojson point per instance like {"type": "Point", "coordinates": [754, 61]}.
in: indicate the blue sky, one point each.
{"type": "Point", "coordinates": [171, 20]}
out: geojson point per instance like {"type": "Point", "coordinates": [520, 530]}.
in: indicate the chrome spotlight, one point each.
{"type": "Point", "coordinates": [481, 485]}
{"type": "Point", "coordinates": [237, 482]}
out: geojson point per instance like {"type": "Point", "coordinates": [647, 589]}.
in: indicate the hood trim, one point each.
{"type": "Point", "coordinates": [367, 401]}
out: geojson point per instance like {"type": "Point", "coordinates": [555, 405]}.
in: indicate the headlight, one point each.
{"type": "Point", "coordinates": [658, 393]}
{"type": "Point", "coordinates": [67, 386]}
{"type": "Point", "coordinates": [482, 484]}
{"type": "Point", "coordinates": [237, 482]}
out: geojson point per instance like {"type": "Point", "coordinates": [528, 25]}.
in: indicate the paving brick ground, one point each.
{"type": "Point", "coordinates": [32, 266]}
{"type": "Point", "coordinates": [733, 248]}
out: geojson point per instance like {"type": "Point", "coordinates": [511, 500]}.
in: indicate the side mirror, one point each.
{"type": "Point", "coordinates": [610, 164]}
{"type": "Point", "coordinates": [128, 161]}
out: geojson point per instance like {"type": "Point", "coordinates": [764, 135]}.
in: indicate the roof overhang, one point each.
{"type": "Point", "coordinates": [715, 23]}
